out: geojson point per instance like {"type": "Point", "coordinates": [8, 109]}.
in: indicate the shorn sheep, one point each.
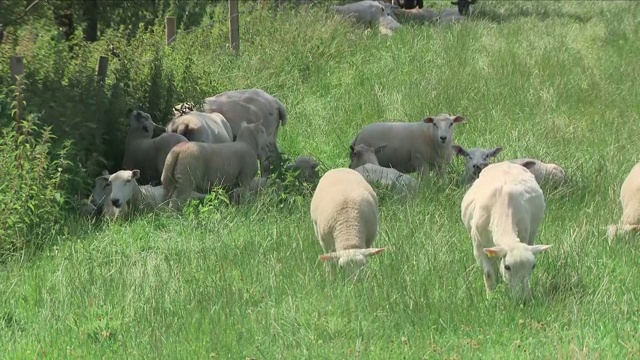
{"type": "Point", "coordinates": [99, 203]}
{"type": "Point", "coordinates": [202, 127]}
{"type": "Point", "coordinates": [367, 12]}
{"type": "Point", "coordinates": [125, 191]}
{"type": "Point", "coordinates": [251, 106]}
{"type": "Point", "coordinates": [630, 201]}
{"type": "Point", "coordinates": [412, 146]}
{"type": "Point", "coordinates": [476, 159]}
{"type": "Point", "coordinates": [194, 166]}
{"type": "Point", "coordinates": [545, 173]}
{"type": "Point", "coordinates": [503, 210]}
{"type": "Point", "coordinates": [364, 161]}
{"type": "Point", "coordinates": [143, 152]}
{"type": "Point", "coordinates": [344, 212]}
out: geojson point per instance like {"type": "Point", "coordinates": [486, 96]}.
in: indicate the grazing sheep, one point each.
{"type": "Point", "coordinates": [344, 211]}
{"type": "Point", "coordinates": [412, 146]}
{"type": "Point", "coordinates": [194, 166]}
{"type": "Point", "coordinates": [366, 164]}
{"type": "Point", "coordinates": [503, 210]}
{"type": "Point", "coordinates": [143, 152]}
{"type": "Point", "coordinates": [251, 106]}
{"type": "Point", "coordinates": [550, 174]}
{"type": "Point", "coordinates": [476, 160]}
{"type": "Point", "coordinates": [139, 198]}
{"type": "Point", "coordinates": [306, 168]}
{"type": "Point", "coordinates": [418, 16]}
{"type": "Point", "coordinates": [202, 127]}
{"type": "Point", "coordinates": [367, 12]}
{"type": "Point", "coordinates": [630, 201]}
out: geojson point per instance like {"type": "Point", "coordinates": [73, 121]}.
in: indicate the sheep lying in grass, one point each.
{"type": "Point", "coordinates": [344, 211]}
{"type": "Point", "coordinates": [503, 210]}
{"type": "Point", "coordinates": [476, 160]}
{"type": "Point", "coordinates": [630, 201]}
{"type": "Point", "coordinates": [202, 127]}
{"type": "Point", "coordinates": [365, 12]}
{"type": "Point", "coordinates": [195, 166]}
{"type": "Point", "coordinates": [125, 191]}
{"type": "Point", "coordinates": [143, 152]}
{"type": "Point", "coordinates": [306, 169]}
{"type": "Point", "coordinates": [418, 16]}
{"type": "Point", "coordinates": [99, 203]}
{"type": "Point", "coordinates": [388, 25]}
{"type": "Point", "coordinates": [551, 174]}
{"type": "Point", "coordinates": [364, 161]}
{"type": "Point", "coordinates": [412, 146]}
{"type": "Point", "coordinates": [251, 106]}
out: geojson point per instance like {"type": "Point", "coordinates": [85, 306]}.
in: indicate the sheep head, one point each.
{"type": "Point", "coordinates": [141, 124]}
{"type": "Point", "coordinates": [362, 154]}
{"type": "Point", "coordinates": [352, 259]}
{"type": "Point", "coordinates": [101, 190]}
{"type": "Point", "coordinates": [477, 158]}
{"type": "Point", "coordinates": [123, 184]}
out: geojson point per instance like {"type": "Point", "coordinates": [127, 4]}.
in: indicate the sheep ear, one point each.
{"type": "Point", "coordinates": [135, 174]}
{"type": "Point", "coordinates": [495, 251]}
{"type": "Point", "coordinates": [495, 151]}
{"type": "Point", "coordinates": [529, 164]}
{"type": "Point", "coordinates": [458, 119]}
{"type": "Point", "coordinates": [459, 150]}
{"type": "Point", "coordinates": [538, 248]}
{"type": "Point", "coordinates": [428, 120]}
{"type": "Point", "coordinates": [379, 149]}
{"type": "Point", "coordinates": [352, 148]}
{"type": "Point", "coordinates": [105, 172]}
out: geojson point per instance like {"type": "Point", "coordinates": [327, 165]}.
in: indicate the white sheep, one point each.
{"type": "Point", "coordinates": [630, 201]}
{"type": "Point", "coordinates": [99, 203]}
{"type": "Point", "coordinates": [364, 161]}
{"type": "Point", "coordinates": [344, 211]}
{"type": "Point", "coordinates": [503, 210]}
{"type": "Point", "coordinates": [545, 173]}
{"type": "Point", "coordinates": [143, 152]}
{"type": "Point", "coordinates": [251, 106]}
{"type": "Point", "coordinates": [367, 12]}
{"type": "Point", "coordinates": [412, 146]}
{"type": "Point", "coordinates": [125, 192]}
{"type": "Point", "coordinates": [202, 127]}
{"type": "Point", "coordinates": [476, 160]}
{"type": "Point", "coordinates": [195, 166]}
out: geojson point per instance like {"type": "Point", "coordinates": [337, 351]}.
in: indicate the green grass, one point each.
{"type": "Point", "coordinates": [556, 81]}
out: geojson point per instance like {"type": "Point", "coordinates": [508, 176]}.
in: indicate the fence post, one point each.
{"type": "Point", "coordinates": [16, 64]}
{"type": "Point", "coordinates": [170, 29]}
{"type": "Point", "coordinates": [101, 69]}
{"type": "Point", "coordinates": [234, 26]}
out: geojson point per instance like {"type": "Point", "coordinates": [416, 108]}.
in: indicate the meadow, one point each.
{"type": "Point", "coordinates": [557, 81]}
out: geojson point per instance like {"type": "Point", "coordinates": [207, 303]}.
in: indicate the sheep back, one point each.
{"type": "Point", "coordinates": [202, 127]}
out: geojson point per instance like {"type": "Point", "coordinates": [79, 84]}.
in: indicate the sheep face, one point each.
{"type": "Point", "coordinates": [122, 186]}
{"type": "Point", "coordinates": [101, 190]}
{"type": "Point", "coordinates": [256, 136]}
{"type": "Point", "coordinates": [362, 154]}
{"type": "Point", "coordinates": [141, 122]}
{"type": "Point", "coordinates": [443, 126]}
{"type": "Point", "coordinates": [516, 266]}
{"type": "Point", "coordinates": [476, 158]}
{"type": "Point", "coordinates": [351, 260]}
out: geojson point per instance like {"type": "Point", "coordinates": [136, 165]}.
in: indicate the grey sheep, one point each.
{"type": "Point", "coordinates": [366, 164]}
{"type": "Point", "coordinates": [476, 159]}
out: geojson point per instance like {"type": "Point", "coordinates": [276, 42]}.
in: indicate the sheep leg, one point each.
{"type": "Point", "coordinates": [179, 197]}
{"type": "Point", "coordinates": [488, 267]}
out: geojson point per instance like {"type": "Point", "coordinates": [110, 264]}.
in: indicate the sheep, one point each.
{"type": "Point", "coordinates": [416, 15]}
{"type": "Point", "coordinates": [306, 169]}
{"type": "Point", "coordinates": [143, 152]}
{"type": "Point", "coordinates": [344, 212]}
{"type": "Point", "coordinates": [545, 173]}
{"type": "Point", "coordinates": [450, 16]}
{"type": "Point", "coordinates": [125, 191]}
{"type": "Point", "coordinates": [199, 166]}
{"type": "Point", "coordinates": [202, 127]}
{"type": "Point", "coordinates": [367, 12]}
{"type": "Point", "coordinates": [257, 186]}
{"type": "Point", "coordinates": [412, 146]}
{"type": "Point", "coordinates": [388, 25]}
{"type": "Point", "coordinates": [503, 210]}
{"type": "Point", "coordinates": [630, 201]}
{"type": "Point", "coordinates": [251, 106]}
{"type": "Point", "coordinates": [464, 6]}
{"type": "Point", "coordinates": [364, 161]}
{"type": "Point", "coordinates": [98, 203]}
{"type": "Point", "coordinates": [476, 160]}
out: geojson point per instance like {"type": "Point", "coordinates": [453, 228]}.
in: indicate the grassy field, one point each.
{"type": "Point", "coordinates": [550, 80]}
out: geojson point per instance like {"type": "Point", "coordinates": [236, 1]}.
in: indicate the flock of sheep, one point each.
{"type": "Point", "coordinates": [230, 137]}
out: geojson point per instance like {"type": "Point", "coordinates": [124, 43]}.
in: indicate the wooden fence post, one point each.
{"type": "Point", "coordinates": [170, 29]}
{"type": "Point", "coordinates": [101, 69]}
{"type": "Point", "coordinates": [234, 26]}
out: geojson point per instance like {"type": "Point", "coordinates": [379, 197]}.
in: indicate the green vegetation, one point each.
{"type": "Point", "coordinates": [556, 81]}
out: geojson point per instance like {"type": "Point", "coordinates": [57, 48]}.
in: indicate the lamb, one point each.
{"type": "Point", "coordinates": [545, 173]}
{"type": "Point", "coordinates": [202, 127]}
{"type": "Point", "coordinates": [503, 210]}
{"type": "Point", "coordinates": [126, 192]}
{"type": "Point", "coordinates": [366, 164]}
{"type": "Point", "coordinates": [476, 160]}
{"type": "Point", "coordinates": [412, 146]}
{"type": "Point", "coordinates": [365, 12]}
{"type": "Point", "coordinates": [344, 212]}
{"type": "Point", "coordinates": [630, 201]}
{"type": "Point", "coordinates": [194, 166]}
{"type": "Point", "coordinates": [251, 106]}
{"type": "Point", "coordinates": [144, 152]}
{"type": "Point", "coordinates": [306, 169]}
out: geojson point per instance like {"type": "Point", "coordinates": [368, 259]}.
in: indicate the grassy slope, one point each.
{"type": "Point", "coordinates": [245, 282]}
